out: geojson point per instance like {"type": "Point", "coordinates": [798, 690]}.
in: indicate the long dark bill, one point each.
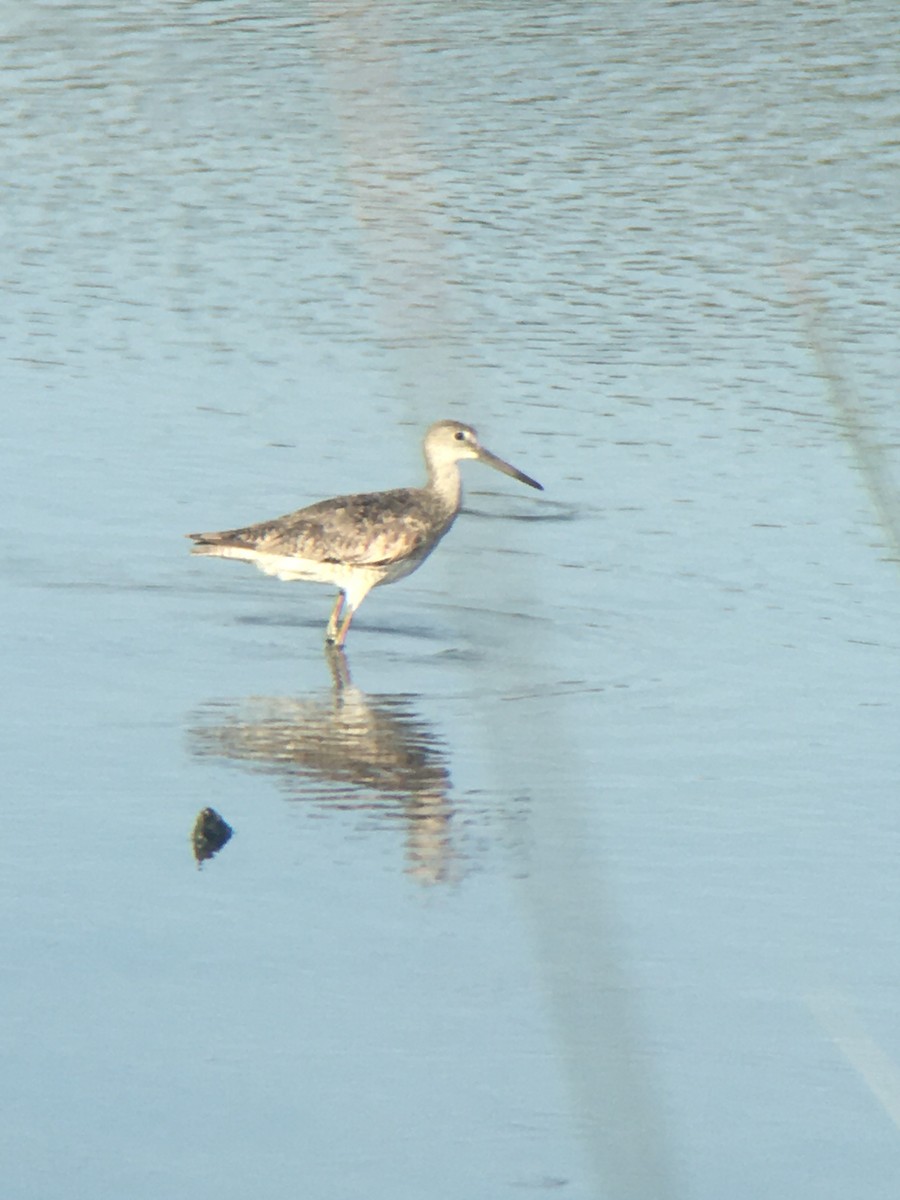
{"type": "Point", "coordinates": [498, 464]}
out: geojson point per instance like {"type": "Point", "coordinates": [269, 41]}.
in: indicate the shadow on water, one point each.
{"type": "Point", "coordinates": [507, 508]}
{"type": "Point", "coordinates": [347, 750]}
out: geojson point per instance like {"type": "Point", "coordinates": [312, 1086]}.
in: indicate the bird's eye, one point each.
{"type": "Point", "coordinates": [460, 435]}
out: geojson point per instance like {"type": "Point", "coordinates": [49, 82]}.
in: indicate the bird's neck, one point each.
{"type": "Point", "coordinates": [444, 482]}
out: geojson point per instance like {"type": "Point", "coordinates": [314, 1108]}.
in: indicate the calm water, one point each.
{"type": "Point", "coordinates": [581, 878]}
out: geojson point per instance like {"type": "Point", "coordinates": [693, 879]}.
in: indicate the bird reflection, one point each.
{"type": "Point", "coordinates": [347, 749]}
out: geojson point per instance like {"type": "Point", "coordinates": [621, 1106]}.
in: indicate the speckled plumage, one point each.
{"type": "Point", "coordinates": [358, 542]}
{"type": "Point", "coordinates": [373, 529]}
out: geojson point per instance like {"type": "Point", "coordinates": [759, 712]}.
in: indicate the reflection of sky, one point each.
{"type": "Point", "coordinates": [234, 286]}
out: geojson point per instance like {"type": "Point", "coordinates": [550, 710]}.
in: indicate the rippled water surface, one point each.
{"type": "Point", "coordinates": [578, 875]}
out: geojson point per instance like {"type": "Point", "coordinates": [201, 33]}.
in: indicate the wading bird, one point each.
{"type": "Point", "coordinates": [360, 542]}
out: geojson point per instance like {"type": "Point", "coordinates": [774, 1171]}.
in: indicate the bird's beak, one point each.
{"type": "Point", "coordinates": [498, 464]}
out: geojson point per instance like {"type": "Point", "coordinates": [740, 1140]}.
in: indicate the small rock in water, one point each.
{"type": "Point", "coordinates": [209, 835]}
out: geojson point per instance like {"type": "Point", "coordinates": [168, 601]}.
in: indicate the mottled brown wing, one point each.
{"type": "Point", "coordinates": [371, 529]}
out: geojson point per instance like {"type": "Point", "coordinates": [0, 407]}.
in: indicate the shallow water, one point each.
{"type": "Point", "coordinates": [579, 874]}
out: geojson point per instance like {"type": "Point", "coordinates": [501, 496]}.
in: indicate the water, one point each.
{"type": "Point", "coordinates": [584, 880]}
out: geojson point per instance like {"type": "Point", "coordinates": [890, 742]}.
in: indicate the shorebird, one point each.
{"type": "Point", "coordinates": [360, 542]}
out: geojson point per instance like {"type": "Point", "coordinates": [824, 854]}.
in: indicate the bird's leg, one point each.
{"type": "Point", "coordinates": [331, 632]}
{"type": "Point", "coordinates": [342, 635]}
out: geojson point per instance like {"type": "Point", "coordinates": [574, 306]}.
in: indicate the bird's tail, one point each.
{"type": "Point", "coordinates": [222, 544]}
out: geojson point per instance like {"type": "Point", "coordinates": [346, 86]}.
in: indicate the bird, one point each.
{"type": "Point", "coordinates": [358, 542]}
